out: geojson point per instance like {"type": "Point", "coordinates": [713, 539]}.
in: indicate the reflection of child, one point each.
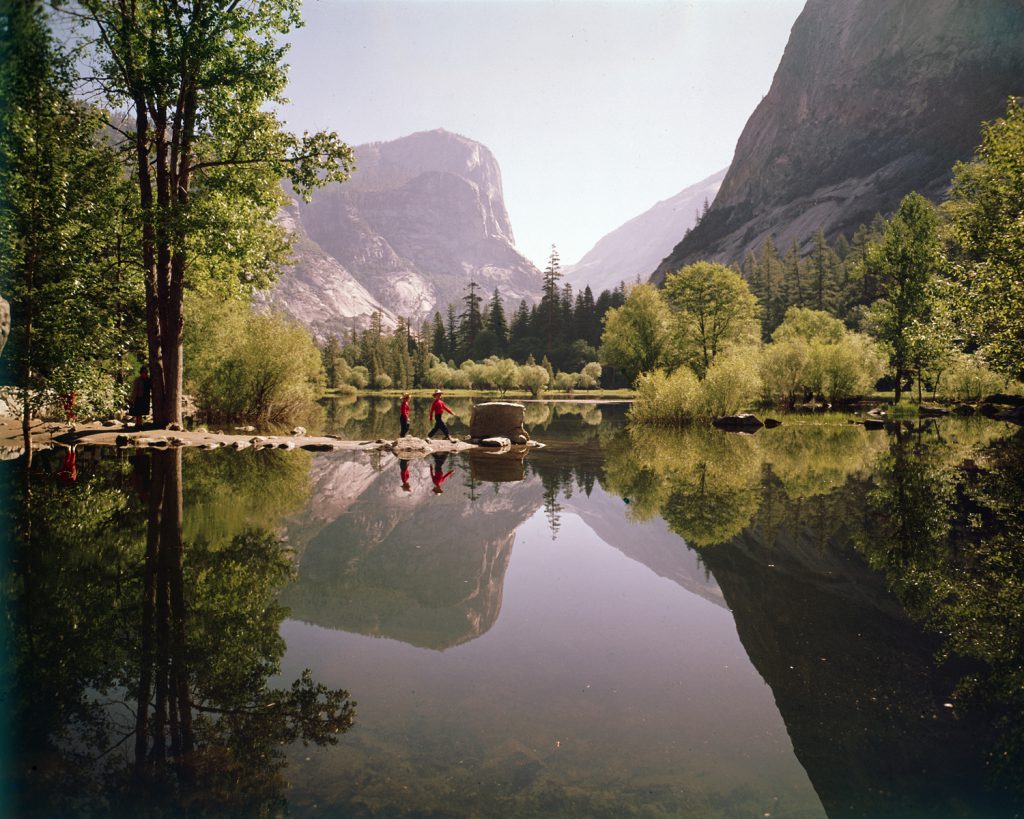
{"type": "Point", "coordinates": [403, 470]}
{"type": "Point", "coordinates": [69, 471]}
{"type": "Point", "coordinates": [437, 473]}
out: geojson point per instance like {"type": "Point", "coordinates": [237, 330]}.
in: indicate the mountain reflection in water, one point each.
{"type": "Point", "coordinates": [588, 629]}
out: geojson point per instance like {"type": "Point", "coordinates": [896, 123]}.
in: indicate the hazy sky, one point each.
{"type": "Point", "coordinates": [594, 110]}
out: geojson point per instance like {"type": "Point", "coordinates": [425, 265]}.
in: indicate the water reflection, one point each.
{"type": "Point", "coordinates": [139, 660]}
{"type": "Point", "coordinates": [584, 629]}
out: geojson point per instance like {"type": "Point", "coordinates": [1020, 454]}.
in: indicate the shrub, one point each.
{"type": "Point", "coordinates": [969, 378]}
{"type": "Point", "coordinates": [243, 364]}
{"type": "Point", "coordinates": [666, 399]}
{"type": "Point", "coordinates": [731, 384]}
{"type": "Point", "coordinates": [534, 378]}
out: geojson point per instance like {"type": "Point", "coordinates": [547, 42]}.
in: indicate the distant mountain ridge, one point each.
{"type": "Point", "coordinates": [872, 99]}
{"type": "Point", "coordinates": [635, 248]}
{"type": "Point", "coordinates": [421, 217]}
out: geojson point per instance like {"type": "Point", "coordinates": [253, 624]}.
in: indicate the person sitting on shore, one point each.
{"type": "Point", "coordinates": [139, 397]}
{"type": "Point", "coordinates": [437, 410]}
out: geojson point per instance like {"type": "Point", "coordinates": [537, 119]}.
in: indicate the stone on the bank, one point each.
{"type": "Point", "coordinates": [502, 419]}
{"type": "Point", "coordinates": [495, 442]}
{"type": "Point", "coordinates": [745, 422]}
{"type": "Point", "coordinates": [299, 431]}
{"type": "Point", "coordinates": [174, 426]}
{"type": "Point", "coordinates": [122, 440]}
{"type": "Point", "coordinates": [240, 444]}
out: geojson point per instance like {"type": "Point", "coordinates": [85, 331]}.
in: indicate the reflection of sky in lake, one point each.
{"type": "Point", "coordinates": [601, 687]}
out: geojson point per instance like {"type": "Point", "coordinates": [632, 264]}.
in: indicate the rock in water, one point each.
{"type": "Point", "coordinates": [744, 422]}
{"type": "Point", "coordinates": [502, 419]}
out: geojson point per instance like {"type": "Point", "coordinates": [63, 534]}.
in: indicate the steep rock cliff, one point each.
{"type": "Point", "coordinates": [872, 99]}
{"type": "Point", "coordinates": [420, 218]}
{"type": "Point", "coordinates": [636, 247]}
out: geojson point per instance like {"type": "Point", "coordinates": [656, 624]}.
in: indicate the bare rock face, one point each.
{"type": "Point", "coordinates": [872, 99]}
{"type": "Point", "coordinates": [420, 218]}
{"type": "Point", "coordinates": [638, 246]}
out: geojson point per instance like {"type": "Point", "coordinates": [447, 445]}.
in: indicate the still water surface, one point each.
{"type": "Point", "coordinates": [812, 621]}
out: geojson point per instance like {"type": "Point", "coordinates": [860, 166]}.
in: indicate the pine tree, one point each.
{"type": "Point", "coordinates": [471, 321]}
{"type": "Point", "coordinates": [451, 342]}
{"type": "Point", "coordinates": [438, 338]}
{"type": "Point", "coordinates": [498, 324]}
{"type": "Point", "coordinates": [793, 278]}
{"type": "Point", "coordinates": [549, 311]}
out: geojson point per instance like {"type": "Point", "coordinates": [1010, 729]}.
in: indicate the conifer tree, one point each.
{"type": "Point", "coordinates": [498, 324]}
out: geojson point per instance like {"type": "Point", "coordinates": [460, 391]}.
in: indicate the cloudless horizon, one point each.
{"type": "Point", "coordinates": [594, 111]}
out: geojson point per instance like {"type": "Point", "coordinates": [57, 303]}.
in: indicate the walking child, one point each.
{"type": "Point", "coordinates": [404, 415]}
{"type": "Point", "coordinates": [437, 411]}
{"type": "Point", "coordinates": [437, 473]}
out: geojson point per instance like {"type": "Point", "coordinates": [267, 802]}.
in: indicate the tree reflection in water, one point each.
{"type": "Point", "coordinates": [139, 663]}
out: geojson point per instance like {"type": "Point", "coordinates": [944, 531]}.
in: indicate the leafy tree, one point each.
{"type": "Point", "coordinates": [986, 210]}
{"type": "Point", "coordinates": [637, 336]}
{"type": "Point", "coordinates": [713, 311]}
{"type": "Point", "coordinates": [199, 77]}
{"type": "Point", "coordinates": [906, 261]}
{"type": "Point", "coordinates": [61, 222]}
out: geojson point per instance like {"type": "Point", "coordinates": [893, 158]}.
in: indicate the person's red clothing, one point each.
{"type": "Point", "coordinates": [405, 409]}
{"type": "Point", "coordinates": [404, 472]}
{"type": "Point", "coordinates": [439, 477]}
{"type": "Point", "coordinates": [439, 407]}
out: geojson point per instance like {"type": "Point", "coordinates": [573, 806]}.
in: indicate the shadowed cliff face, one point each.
{"type": "Point", "coordinates": [420, 218]}
{"type": "Point", "coordinates": [872, 99]}
{"type": "Point", "coordinates": [855, 681]}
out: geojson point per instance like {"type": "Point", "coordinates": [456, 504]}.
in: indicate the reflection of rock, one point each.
{"type": "Point", "coordinates": [498, 467]}
{"type": "Point", "coordinates": [854, 679]}
{"type": "Point", "coordinates": [424, 568]}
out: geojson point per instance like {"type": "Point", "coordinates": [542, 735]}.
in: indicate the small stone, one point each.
{"type": "Point", "coordinates": [122, 440]}
{"type": "Point", "coordinates": [245, 429]}
{"type": "Point", "coordinates": [299, 431]}
{"type": "Point", "coordinates": [174, 426]}
{"type": "Point", "coordinates": [258, 439]}
{"type": "Point", "coordinates": [240, 444]}
{"type": "Point", "coordinates": [286, 445]}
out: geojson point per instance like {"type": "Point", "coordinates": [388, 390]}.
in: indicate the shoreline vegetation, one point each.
{"type": "Point", "coordinates": [111, 266]}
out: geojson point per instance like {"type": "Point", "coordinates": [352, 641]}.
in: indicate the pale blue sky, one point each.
{"type": "Point", "coordinates": [594, 110]}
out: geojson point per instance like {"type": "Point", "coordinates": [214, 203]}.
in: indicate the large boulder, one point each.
{"type": "Point", "coordinates": [498, 419]}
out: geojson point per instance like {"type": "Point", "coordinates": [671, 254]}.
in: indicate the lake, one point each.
{"type": "Point", "coordinates": [815, 620]}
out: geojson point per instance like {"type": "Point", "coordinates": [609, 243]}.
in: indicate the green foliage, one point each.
{"type": "Point", "coordinates": [252, 365]}
{"type": "Point", "coordinates": [534, 378]}
{"type": "Point", "coordinates": [730, 384]}
{"type": "Point", "coordinates": [713, 312]}
{"type": "Point", "coordinates": [968, 378]}
{"type": "Point", "coordinates": [907, 260]}
{"type": "Point", "coordinates": [669, 399]}
{"type": "Point", "coordinates": [637, 335]}
{"type": "Point", "coordinates": [201, 79]}
{"type": "Point", "coordinates": [75, 299]}
{"type": "Point", "coordinates": [986, 224]}
{"type": "Point", "coordinates": [813, 354]}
